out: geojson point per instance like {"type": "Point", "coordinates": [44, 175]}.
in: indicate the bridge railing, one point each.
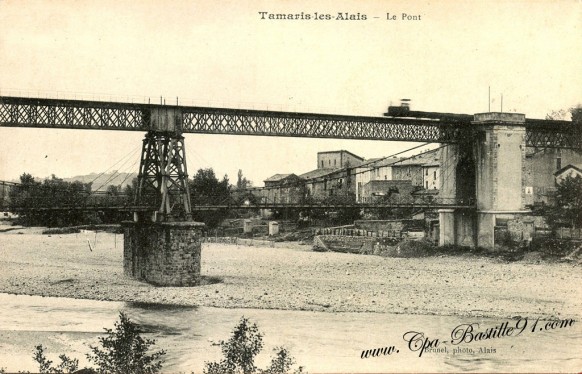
{"type": "Point", "coordinates": [126, 202]}
{"type": "Point", "coordinates": [71, 202]}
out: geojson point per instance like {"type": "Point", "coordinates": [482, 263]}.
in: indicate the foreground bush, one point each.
{"type": "Point", "coordinates": [67, 365]}
{"type": "Point", "coordinates": [239, 352]}
{"type": "Point", "coordinates": [554, 247]}
{"type": "Point", "coordinates": [122, 351]}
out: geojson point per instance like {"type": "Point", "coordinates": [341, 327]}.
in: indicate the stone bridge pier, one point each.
{"type": "Point", "coordinates": [162, 245]}
{"type": "Point", "coordinates": [489, 170]}
{"type": "Point", "coordinates": [163, 253]}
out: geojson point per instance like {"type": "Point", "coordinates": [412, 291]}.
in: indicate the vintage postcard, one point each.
{"type": "Point", "coordinates": [290, 186]}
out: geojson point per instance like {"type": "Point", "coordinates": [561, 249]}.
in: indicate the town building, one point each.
{"type": "Point", "coordinates": [337, 159]}
{"type": "Point", "coordinates": [321, 184]}
{"type": "Point", "coordinates": [414, 169]}
{"type": "Point", "coordinates": [374, 169]}
{"type": "Point", "coordinates": [572, 171]}
{"type": "Point", "coordinates": [541, 166]}
{"type": "Point", "coordinates": [342, 173]}
{"type": "Point", "coordinates": [431, 175]}
{"type": "Point", "coordinates": [282, 189]}
{"type": "Point", "coordinates": [421, 171]}
{"type": "Point", "coordinates": [388, 191]}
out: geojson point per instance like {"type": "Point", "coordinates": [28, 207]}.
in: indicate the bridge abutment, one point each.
{"type": "Point", "coordinates": [490, 171]}
{"type": "Point", "coordinates": [164, 254]}
{"type": "Point", "coordinates": [500, 153]}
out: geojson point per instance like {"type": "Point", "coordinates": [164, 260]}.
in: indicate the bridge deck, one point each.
{"type": "Point", "coordinates": [437, 128]}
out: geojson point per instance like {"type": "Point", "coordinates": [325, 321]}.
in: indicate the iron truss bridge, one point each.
{"type": "Point", "coordinates": [426, 127]}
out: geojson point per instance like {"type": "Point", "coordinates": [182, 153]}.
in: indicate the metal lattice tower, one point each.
{"type": "Point", "coordinates": [163, 177]}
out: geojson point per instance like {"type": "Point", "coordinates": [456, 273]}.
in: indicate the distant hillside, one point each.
{"type": "Point", "coordinates": [103, 181]}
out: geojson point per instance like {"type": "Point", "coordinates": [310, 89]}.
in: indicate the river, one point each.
{"type": "Point", "coordinates": [322, 342]}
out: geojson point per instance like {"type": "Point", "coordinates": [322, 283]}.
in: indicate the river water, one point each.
{"type": "Point", "coordinates": [322, 342]}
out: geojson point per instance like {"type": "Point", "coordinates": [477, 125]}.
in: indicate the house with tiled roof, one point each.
{"type": "Point", "coordinates": [412, 168]}
{"type": "Point", "coordinates": [323, 183]}
{"type": "Point", "coordinates": [282, 179]}
{"type": "Point", "coordinates": [373, 169]}
{"type": "Point", "coordinates": [338, 159]}
{"type": "Point", "coordinates": [395, 191]}
{"type": "Point", "coordinates": [281, 189]}
{"type": "Point", "coordinates": [569, 170]}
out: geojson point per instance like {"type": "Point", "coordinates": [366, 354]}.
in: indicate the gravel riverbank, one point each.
{"type": "Point", "coordinates": [295, 278]}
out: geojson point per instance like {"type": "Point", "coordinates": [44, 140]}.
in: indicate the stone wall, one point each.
{"type": "Point", "coordinates": [519, 227]}
{"type": "Point", "coordinates": [347, 244]}
{"type": "Point", "coordinates": [355, 244]}
{"type": "Point", "coordinates": [165, 254]}
{"type": "Point", "coordinates": [380, 225]}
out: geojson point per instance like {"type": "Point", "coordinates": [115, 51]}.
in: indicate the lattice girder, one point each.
{"type": "Point", "coordinates": [79, 114]}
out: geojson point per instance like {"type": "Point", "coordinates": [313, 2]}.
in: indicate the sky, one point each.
{"type": "Point", "coordinates": [222, 53]}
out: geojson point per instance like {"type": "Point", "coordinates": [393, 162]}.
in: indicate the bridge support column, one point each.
{"type": "Point", "coordinates": [447, 227]}
{"type": "Point", "coordinates": [163, 177]}
{"type": "Point", "coordinates": [164, 254]}
{"type": "Point", "coordinates": [490, 171]}
{"type": "Point", "coordinates": [163, 245]}
{"type": "Point", "coordinates": [457, 227]}
{"type": "Point", "coordinates": [500, 153]}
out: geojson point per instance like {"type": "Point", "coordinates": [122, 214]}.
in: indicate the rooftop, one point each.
{"type": "Point", "coordinates": [386, 161]}
{"type": "Point", "coordinates": [277, 177]}
{"type": "Point", "coordinates": [420, 159]}
{"type": "Point", "coordinates": [340, 151]}
{"type": "Point", "coordinates": [318, 173]}
{"type": "Point", "coordinates": [569, 166]}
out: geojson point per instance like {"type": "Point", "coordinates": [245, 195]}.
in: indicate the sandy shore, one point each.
{"type": "Point", "coordinates": [295, 279]}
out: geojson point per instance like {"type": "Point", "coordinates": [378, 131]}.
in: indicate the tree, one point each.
{"type": "Point", "coordinates": [67, 365]}
{"type": "Point", "coordinates": [121, 351]}
{"type": "Point", "coordinates": [51, 193]}
{"type": "Point", "coordinates": [567, 209]}
{"type": "Point", "coordinates": [281, 363]}
{"type": "Point", "coordinates": [343, 215]}
{"type": "Point", "coordinates": [557, 115]}
{"type": "Point", "coordinates": [562, 114]}
{"type": "Point", "coordinates": [113, 190]}
{"type": "Point", "coordinates": [20, 196]}
{"type": "Point", "coordinates": [131, 190]}
{"type": "Point", "coordinates": [577, 120]}
{"type": "Point", "coordinates": [206, 189]}
{"type": "Point", "coordinates": [242, 182]}
{"type": "Point", "coordinates": [124, 351]}
{"type": "Point", "coordinates": [239, 352]}
{"type": "Point", "coordinates": [576, 112]}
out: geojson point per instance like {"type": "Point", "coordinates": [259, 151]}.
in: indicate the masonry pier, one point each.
{"type": "Point", "coordinates": [164, 254]}
{"type": "Point", "coordinates": [490, 170]}
{"type": "Point", "coordinates": [162, 245]}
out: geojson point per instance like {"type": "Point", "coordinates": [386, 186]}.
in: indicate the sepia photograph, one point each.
{"type": "Point", "coordinates": [379, 186]}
